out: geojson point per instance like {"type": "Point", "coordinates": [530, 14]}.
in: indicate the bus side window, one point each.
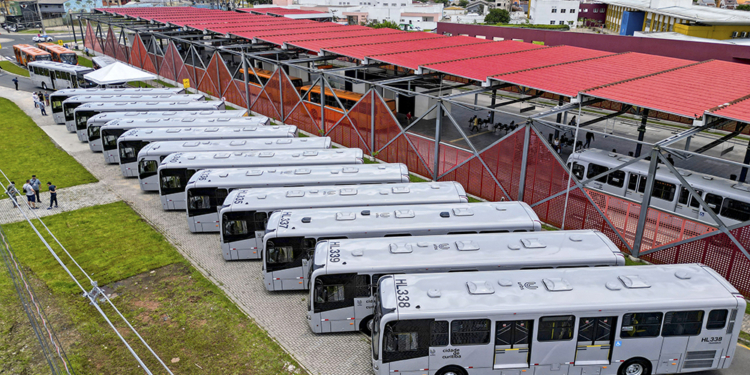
{"type": "Point", "coordinates": [577, 170]}
{"type": "Point", "coordinates": [713, 201]}
{"type": "Point", "coordinates": [58, 74]}
{"type": "Point", "coordinates": [735, 210]}
{"type": "Point", "coordinates": [470, 332]}
{"type": "Point", "coordinates": [594, 330]}
{"type": "Point", "coordinates": [682, 323]}
{"type": "Point", "coordinates": [684, 193]}
{"type": "Point", "coordinates": [632, 182]}
{"type": "Point", "coordinates": [556, 328]}
{"type": "Point", "coordinates": [361, 286]}
{"type": "Point", "coordinates": [717, 319]}
{"type": "Point", "coordinates": [694, 202]}
{"type": "Point", "coordinates": [595, 169]}
{"type": "Point", "coordinates": [261, 219]}
{"type": "Point", "coordinates": [616, 179]}
{"type": "Point", "coordinates": [439, 333]}
{"type": "Point", "coordinates": [663, 190]}
{"type": "Point", "coordinates": [642, 184]}
{"type": "Point", "coordinates": [640, 325]}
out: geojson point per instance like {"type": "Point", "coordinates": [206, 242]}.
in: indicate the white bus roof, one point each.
{"type": "Point", "coordinates": [109, 116]}
{"type": "Point", "coordinates": [213, 132]}
{"type": "Point", "coordinates": [265, 199]}
{"type": "Point", "coordinates": [60, 66]}
{"type": "Point", "coordinates": [469, 251]}
{"type": "Point", "coordinates": [559, 291]}
{"type": "Point", "coordinates": [133, 98]}
{"type": "Point", "coordinates": [117, 91]}
{"type": "Point", "coordinates": [248, 159]}
{"type": "Point", "coordinates": [163, 148]}
{"type": "Point", "coordinates": [312, 175]}
{"type": "Point", "coordinates": [699, 181]}
{"type": "Point", "coordinates": [151, 106]}
{"type": "Point", "coordinates": [131, 123]}
{"type": "Point", "coordinates": [383, 220]}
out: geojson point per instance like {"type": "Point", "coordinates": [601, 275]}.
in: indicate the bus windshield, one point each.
{"type": "Point", "coordinates": [287, 252]}
{"type": "Point", "coordinates": [57, 106]}
{"type": "Point", "coordinates": [83, 83]}
{"type": "Point", "coordinates": [171, 180]}
{"type": "Point", "coordinates": [129, 151]}
{"type": "Point", "coordinates": [109, 138]}
{"type": "Point", "coordinates": [82, 117]}
{"type": "Point", "coordinates": [93, 132]}
{"type": "Point", "coordinates": [146, 167]}
{"type": "Point", "coordinates": [69, 58]}
{"type": "Point", "coordinates": [70, 110]}
{"type": "Point", "coordinates": [241, 225]}
{"type": "Point", "coordinates": [43, 58]}
{"type": "Point", "coordinates": [204, 201]}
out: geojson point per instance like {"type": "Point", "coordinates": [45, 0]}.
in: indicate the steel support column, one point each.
{"type": "Point", "coordinates": [743, 171]}
{"type": "Point", "coordinates": [282, 73]}
{"type": "Point", "coordinates": [372, 120]}
{"type": "Point", "coordinates": [246, 80]}
{"type": "Point", "coordinates": [559, 117]}
{"type": "Point", "coordinates": [492, 105]}
{"type": "Point", "coordinates": [524, 160]}
{"type": "Point", "coordinates": [323, 102]}
{"type": "Point", "coordinates": [641, 131]}
{"type": "Point", "coordinates": [645, 202]}
{"type": "Point", "coordinates": [438, 125]}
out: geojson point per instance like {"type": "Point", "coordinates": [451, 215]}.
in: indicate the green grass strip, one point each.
{"type": "Point", "coordinates": [13, 68]}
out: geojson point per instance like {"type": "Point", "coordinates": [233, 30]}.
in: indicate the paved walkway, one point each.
{"type": "Point", "coordinates": [283, 315]}
{"type": "Point", "coordinates": [69, 199]}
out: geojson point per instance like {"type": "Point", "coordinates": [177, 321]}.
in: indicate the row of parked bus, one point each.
{"type": "Point", "coordinates": [26, 53]}
{"type": "Point", "coordinates": [441, 285]}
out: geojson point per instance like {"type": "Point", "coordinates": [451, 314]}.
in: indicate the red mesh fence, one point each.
{"type": "Point", "coordinates": [149, 63]}
{"type": "Point", "coordinates": [89, 40]}
{"type": "Point", "coordinates": [121, 52]}
{"type": "Point", "coordinates": [354, 130]}
{"type": "Point", "coordinates": [345, 134]}
{"type": "Point", "coordinates": [304, 120]}
{"type": "Point", "coordinates": [208, 82]}
{"type": "Point", "coordinates": [110, 42]}
{"type": "Point", "coordinates": [386, 127]}
{"type": "Point", "coordinates": [135, 52]}
{"type": "Point", "coordinates": [545, 175]}
{"type": "Point", "coordinates": [167, 69]}
{"type": "Point", "coordinates": [264, 104]}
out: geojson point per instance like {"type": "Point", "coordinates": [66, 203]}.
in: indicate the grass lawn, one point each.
{"type": "Point", "coordinates": [25, 149]}
{"type": "Point", "coordinates": [185, 318]}
{"type": "Point", "coordinates": [84, 61]}
{"type": "Point", "coordinates": [13, 68]}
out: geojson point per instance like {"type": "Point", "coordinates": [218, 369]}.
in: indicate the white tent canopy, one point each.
{"type": "Point", "coordinates": [118, 73]}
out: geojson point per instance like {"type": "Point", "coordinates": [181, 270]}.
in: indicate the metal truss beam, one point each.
{"type": "Point", "coordinates": [390, 81]}
{"type": "Point", "coordinates": [538, 94]}
{"type": "Point", "coordinates": [625, 109]}
{"type": "Point", "coordinates": [721, 140]}
{"type": "Point", "coordinates": [691, 132]}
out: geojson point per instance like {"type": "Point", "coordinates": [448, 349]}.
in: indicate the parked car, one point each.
{"type": "Point", "coordinates": [42, 38]}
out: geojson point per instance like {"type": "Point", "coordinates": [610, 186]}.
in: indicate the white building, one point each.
{"type": "Point", "coordinates": [422, 16]}
{"type": "Point", "coordinates": [554, 12]}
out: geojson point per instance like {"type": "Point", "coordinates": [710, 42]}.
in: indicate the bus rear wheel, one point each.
{"type": "Point", "coordinates": [44, 85]}
{"type": "Point", "coordinates": [451, 370]}
{"type": "Point", "coordinates": [366, 325]}
{"type": "Point", "coordinates": [635, 367]}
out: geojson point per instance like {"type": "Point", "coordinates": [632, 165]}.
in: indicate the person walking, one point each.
{"type": "Point", "coordinates": [572, 121]}
{"type": "Point", "coordinates": [475, 124]}
{"type": "Point", "coordinates": [35, 184]}
{"type": "Point", "coordinates": [35, 98]}
{"type": "Point", "coordinates": [52, 195]}
{"type": "Point", "coordinates": [556, 145]}
{"type": "Point", "coordinates": [15, 82]}
{"type": "Point", "coordinates": [29, 191]}
{"type": "Point", "coordinates": [46, 98]}
{"type": "Point", "coordinates": [408, 117]}
{"type": "Point", "coordinates": [12, 193]}
{"type": "Point", "coordinates": [589, 139]}
{"type": "Point", "coordinates": [42, 108]}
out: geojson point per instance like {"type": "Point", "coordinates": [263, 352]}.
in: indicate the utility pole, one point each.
{"type": "Point", "coordinates": [41, 21]}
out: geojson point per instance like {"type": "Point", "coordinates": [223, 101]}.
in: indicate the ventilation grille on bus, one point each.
{"type": "Point", "coordinates": [699, 359]}
{"type": "Point", "coordinates": [703, 354]}
{"type": "Point", "coordinates": [704, 363]}
{"type": "Point", "coordinates": [730, 327]}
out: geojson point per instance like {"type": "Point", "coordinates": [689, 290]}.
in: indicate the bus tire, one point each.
{"type": "Point", "coordinates": [44, 85]}
{"type": "Point", "coordinates": [364, 325]}
{"type": "Point", "coordinates": [635, 366]}
{"type": "Point", "coordinates": [451, 370]}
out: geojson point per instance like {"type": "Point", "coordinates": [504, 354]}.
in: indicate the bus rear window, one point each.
{"type": "Point", "coordinates": [640, 325]}
{"type": "Point", "coordinates": [736, 210]}
{"type": "Point", "coordinates": [682, 323]}
{"type": "Point", "coordinates": [556, 328]}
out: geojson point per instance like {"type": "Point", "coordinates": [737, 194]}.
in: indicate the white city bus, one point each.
{"type": "Point", "coordinates": [177, 168]}
{"type": "Point", "coordinates": [86, 111]}
{"type": "Point", "coordinates": [58, 97]}
{"type": "Point", "coordinates": [291, 235]}
{"type": "Point", "coordinates": [151, 155]}
{"type": "Point", "coordinates": [79, 125]}
{"type": "Point", "coordinates": [132, 141]}
{"type": "Point", "coordinates": [603, 320]}
{"type": "Point", "coordinates": [730, 200]}
{"type": "Point", "coordinates": [342, 273]}
{"type": "Point", "coordinates": [246, 209]}
{"type": "Point", "coordinates": [93, 129]}
{"type": "Point", "coordinates": [57, 76]}
{"type": "Point", "coordinates": [215, 185]}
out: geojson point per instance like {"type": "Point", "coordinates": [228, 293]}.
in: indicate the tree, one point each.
{"type": "Point", "coordinates": [444, 2]}
{"type": "Point", "coordinates": [745, 7]}
{"type": "Point", "coordinates": [383, 25]}
{"type": "Point", "coordinates": [463, 3]}
{"type": "Point", "coordinates": [497, 16]}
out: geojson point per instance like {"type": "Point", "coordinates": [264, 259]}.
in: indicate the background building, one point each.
{"type": "Point", "coordinates": [554, 12]}
{"type": "Point", "coordinates": [592, 14]}
{"type": "Point", "coordinates": [422, 15]}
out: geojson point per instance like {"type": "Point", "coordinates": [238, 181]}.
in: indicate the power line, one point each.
{"type": "Point", "coordinates": [95, 292]}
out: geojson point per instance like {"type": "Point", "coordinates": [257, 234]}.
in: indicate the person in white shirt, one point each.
{"type": "Point", "coordinates": [30, 194]}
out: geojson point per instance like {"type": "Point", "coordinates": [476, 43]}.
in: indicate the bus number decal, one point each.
{"type": "Point", "coordinates": [239, 198]}
{"type": "Point", "coordinates": [284, 222]}
{"type": "Point", "coordinates": [334, 255]}
{"type": "Point", "coordinates": [711, 340]}
{"type": "Point", "coordinates": [402, 293]}
{"type": "Point", "coordinates": [204, 175]}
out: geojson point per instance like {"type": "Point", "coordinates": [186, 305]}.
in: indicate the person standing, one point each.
{"type": "Point", "coordinates": [572, 121]}
{"type": "Point", "coordinates": [35, 98]}
{"type": "Point", "coordinates": [15, 82]}
{"type": "Point", "coordinates": [589, 139]}
{"type": "Point", "coordinates": [475, 125]}
{"type": "Point", "coordinates": [12, 193]}
{"type": "Point", "coordinates": [408, 117]}
{"type": "Point", "coordinates": [46, 98]}
{"type": "Point", "coordinates": [35, 184]}
{"type": "Point", "coordinates": [29, 191]}
{"type": "Point", "coordinates": [42, 108]}
{"type": "Point", "coordinates": [52, 195]}
{"type": "Point", "coordinates": [556, 145]}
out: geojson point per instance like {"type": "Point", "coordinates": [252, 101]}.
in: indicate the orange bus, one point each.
{"type": "Point", "coordinates": [264, 76]}
{"type": "Point", "coordinates": [26, 54]}
{"type": "Point", "coordinates": [59, 53]}
{"type": "Point", "coordinates": [347, 98]}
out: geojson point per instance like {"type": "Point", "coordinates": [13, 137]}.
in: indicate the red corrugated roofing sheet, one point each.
{"type": "Point", "coordinates": [688, 91]}
{"type": "Point", "coordinates": [570, 78]}
{"type": "Point", "coordinates": [361, 51]}
{"type": "Point", "coordinates": [481, 68]}
{"type": "Point", "coordinates": [347, 31]}
{"type": "Point", "coordinates": [739, 110]}
{"type": "Point", "coordinates": [294, 33]}
{"type": "Point", "coordinates": [300, 29]}
{"type": "Point", "coordinates": [281, 25]}
{"type": "Point", "coordinates": [317, 45]}
{"type": "Point", "coordinates": [415, 59]}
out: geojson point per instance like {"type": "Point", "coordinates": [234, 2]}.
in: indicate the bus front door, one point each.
{"type": "Point", "coordinates": [52, 78]}
{"type": "Point", "coordinates": [595, 336]}
{"type": "Point", "coordinates": [512, 345]}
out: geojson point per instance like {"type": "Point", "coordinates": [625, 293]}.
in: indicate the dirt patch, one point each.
{"type": "Point", "coordinates": [148, 305]}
